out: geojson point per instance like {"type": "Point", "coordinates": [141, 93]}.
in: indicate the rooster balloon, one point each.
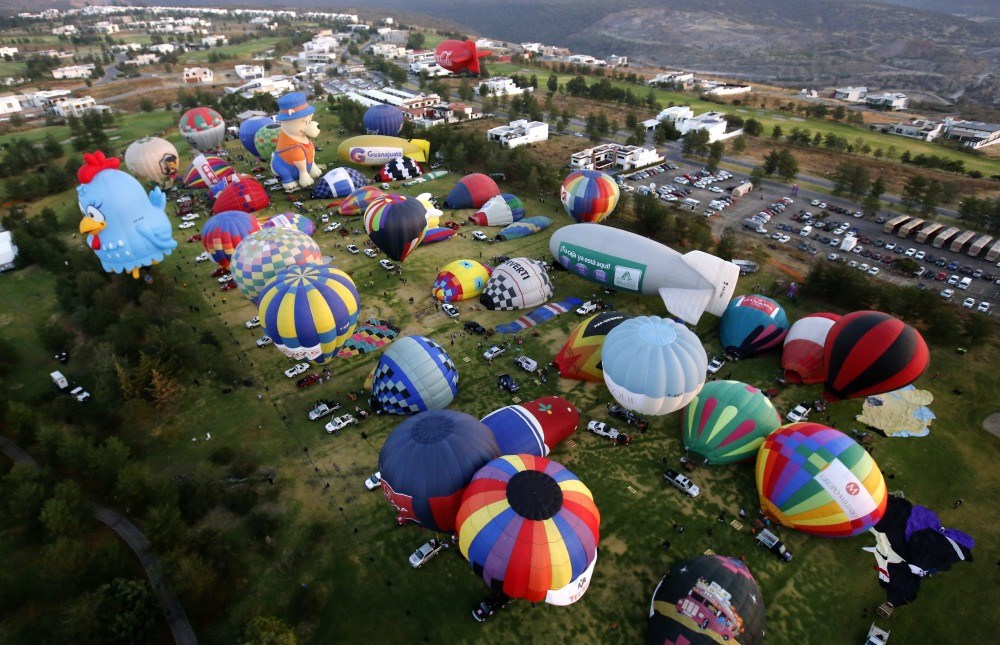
{"type": "Point", "coordinates": [125, 227]}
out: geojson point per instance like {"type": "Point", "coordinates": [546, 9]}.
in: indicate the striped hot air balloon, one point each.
{"type": "Point", "coordinates": [580, 357]}
{"type": "Point", "coordinates": [262, 254]}
{"type": "Point", "coordinates": [501, 210]}
{"type": "Point", "coordinates": [870, 352]}
{"type": "Point", "coordinates": [818, 480]}
{"type": "Point", "coordinates": [338, 182]}
{"type": "Point", "coordinates": [358, 202]}
{"type": "Point", "coordinates": [727, 422]}
{"type": "Point", "coordinates": [524, 228]}
{"type": "Point", "coordinates": [223, 232]}
{"type": "Point", "coordinates": [533, 427]}
{"type": "Point", "coordinates": [414, 375]}
{"type": "Point", "coordinates": [802, 352]}
{"type": "Point", "coordinates": [472, 191]}
{"type": "Point", "coordinates": [203, 128]}
{"type": "Point", "coordinates": [310, 311]}
{"type": "Point", "coordinates": [245, 195]}
{"type": "Point", "coordinates": [752, 325]}
{"type": "Point", "coordinates": [530, 528]}
{"type": "Point", "coordinates": [589, 195]}
{"type": "Point", "coordinates": [395, 223]}
{"type": "Point", "coordinates": [206, 171]}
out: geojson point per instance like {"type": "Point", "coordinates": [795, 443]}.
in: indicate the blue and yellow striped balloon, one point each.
{"type": "Point", "coordinates": [310, 311]}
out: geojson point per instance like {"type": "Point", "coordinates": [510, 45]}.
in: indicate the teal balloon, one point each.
{"type": "Point", "coordinates": [727, 422]}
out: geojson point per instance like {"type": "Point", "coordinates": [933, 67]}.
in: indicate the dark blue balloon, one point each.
{"type": "Point", "coordinates": [386, 120]}
{"type": "Point", "coordinates": [248, 129]}
{"type": "Point", "coordinates": [752, 325]}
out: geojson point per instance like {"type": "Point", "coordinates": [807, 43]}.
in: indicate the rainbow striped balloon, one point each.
{"type": "Point", "coordinates": [727, 422]}
{"type": "Point", "coordinates": [818, 480]}
{"type": "Point", "coordinates": [395, 223]}
{"type": "Point", "coordinates": [530, 528]}
{"type": "Point", "coordinates": [589, 195]}
{"type": "Point", "coordinates": [310, 311]}
{"type": "Point", "coordinates": [260, 256]}
{"type": "Point", "coordinates": [222, 233]}
{"type": "Point", "coordinates": [357, 202]}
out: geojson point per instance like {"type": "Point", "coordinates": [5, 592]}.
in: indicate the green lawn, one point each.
{"type": "Point", "coordinates": [11, 68]}
{"type": "Point", "coordinates": [237, 53]}
{"type": "Point", "coordinates": [341, 541]}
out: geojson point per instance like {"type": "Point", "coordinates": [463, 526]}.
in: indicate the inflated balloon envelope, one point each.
{"type": "Point", "coordinates": [535, 427]}
{"type": "Point", "coordinates": [689, 284]}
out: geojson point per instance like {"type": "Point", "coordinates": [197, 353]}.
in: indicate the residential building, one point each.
{"type": "Point", "coordinates": [214, 40]}
{"type": "Point", "coordinates": [534, 48]}
{"type": "Point", "coordinates": [672, 78]}
{"type": "Point", "coordinates": [391, 96]}
{"type": "Point", "coordinates": [104, 27]}
{"type": "Point", "coordinates": [518, 133]}
{"type": "Point", "coordinates": [613, 155]}
{"type": "Point", "coordinates": [198, 75]}
{"type": "Point", "coordinates": [500, 86]}
{"type": "Point", "coordinates": [685, 121]}
{"type": "Point", "coordinates": [918, 129]}
{"type": "Point", "coordinates": [326, 43]}
{"type": "Point", "coordinates": [143, 59]}
{"type": "Point", "coordinates": [7, 51]}
{"type": "Point", "coordinates": [851, 94]}
{"type": "Point", "coordinates": [9, 104]}
{"type": "Point", "coordinates": [584, 59]}
{"type": "Point", "coordinates": [67, 107]}
{"type": "Point", "coordinates": [430, 70]}
{"type": "Point", "coordinates": [420, 56]}
{"type": "Point", "coordinates": [249, 114]}
{"type": "Point", "coordinates": [972, 134]}
{"type": "Point", "coordinates": [887, 101]}
{"type": "Point", "coordinates": [351, 68]}
{"type": "Point", "coordinates": [724, 89]}
{"type": "Point", "coordinates": [127, 48]}
{"type": "Point", "coordinates": [388, 50]}
{"type": "Point", "coordinates": [614, 60]}
{"type": "Point", "coordinates": [64, 30]}
{"type": "Point", "coordinates": [32, 98]}
{"type": "Point", "coordinates": [163, 48]}
{"type": "Point", "coordinates": [273, 85]}
{"type": "Point", "coordinates": [52, 53]}
{"type": "Point", "coordinates": [249, 72]}
{"type": "Point", "coordinates": [73, 71]}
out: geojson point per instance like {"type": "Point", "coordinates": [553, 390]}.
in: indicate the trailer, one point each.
{"type": "Point", "coordinates": [945, 237]}
{"type": "Point", "coordinates": [909, 227]}
{"type": "Point", "coordinates": [994, 252]}
{"type": "Point", "coordinates": [961, 243]}
{"type": "Point", "coordinates": [981, 243]}
{"type": "Point", "coordinates": [893, 225]}
{"type": "Point", "coordinates": [741, 190]}
{"type": "Point", "coordinates": [928, 232]}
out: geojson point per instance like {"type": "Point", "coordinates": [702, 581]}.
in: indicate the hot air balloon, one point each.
{"type": "Point", "coordinates": [458, 56]}
{"type": "Point", "coordinates": [870, 352]}
{"type": "Point", "coordinates": [223, 232]}
{"type": "Point", "coordinates": [248, 132]}
{"type": "Point", "coordinates": [653, 365]}
{"type": "Point", "coordinates": [414, 374]}
{"type": "Point", "coordinates": [376, 150]}
{"type": "Point", "coordinates": [589, 195]}
{"type": "Point", "coordinates": [309, 311]}
{"type": "Point", "coordinates": [203, 128]}
{"type": "Point", "coordinates": [358, 202]}
{"type": "Point", "coordinates": [439, 234]}
{"type": "Point", "coordinates": [245, 195]}
{"type": "Point", "coordinates": [707, 599]}
{"type": "Point", "coordinates": [206, 171]}
{"type": "Point", "coordinates": [802, 352]}
{"type": "Point", "coordinates": [395, 224]}
{"type": "Point", "coordinates": [153, 159]}
{"type": "Point", "coordinates": [261, 255]}
{"type": "Point", "coordinates": [818, 480]}
{"type": "Point", "coordinates": [530, 528]}
{"type": "Point", "coordinates": [580, 357]}
{"type": "Point", "coordinates": [472, 191]}
{"type": "Point", "coordinates": [727, 422]}
{"type": "Point", "coordinates": [291, 220]}
{"type": "Point", "coordinates": [226, 182]}
{"type": "Point", "coordinates": [524, 228]}
{"type": "Point", "coordinates": [533, 428]}
{"type": "Point", "coordinates": [518, 283]}
{"type": "Point", "coordinates": [399, 169]}
{"type": "Point", "coordinates": [339, 182]}
{"type": "Point", "coordinates": [500, 210]}
{"type": "Point", "coordinates": [752, 325]}
{"type": "Point", "coordinates": [460, 280]}
{"type": "Point", "coordinates": [427, 462]}
{"type": "Point", "coordinates": [386, 120]}
{"type": "Point", "coordinates": [266, 140]}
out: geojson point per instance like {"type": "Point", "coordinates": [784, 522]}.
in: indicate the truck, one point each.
{"type": "Point", "coordinates": [62, 384]}
{"type": "Point", "coordinates": [848, 243]}
{"type": "Point", "coordinates": [927, 233]}
{"type": "Point", "coordinates": [771, 541]}
{"type": "Point", "coordinates": [909, 227]}
{"type": "Point", "coordinates": [893, 225]}
{"type": "Point", "coordinates": [59, 381]}
{"type": "Point", "coordinates": [681, 482]}
{"type": "Point", "coordinates": [961, 243]}
{"type": "Point", "coordinates": [945, 237]}
{"type": "Point", "coordinates": [753, 225]}
{"type": "Point", "coordinates": [981, 243]}
{"type": "Point", "coordinates": [994, 252]}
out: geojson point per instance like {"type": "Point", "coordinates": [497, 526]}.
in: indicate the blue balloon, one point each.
{"type": "Point", "coordinates": [752, 325]}
{"type": "Point", "coordinates": [386, 120]}
{"type": "Point", "coordinates": [248, 129]}
{"type": "Point", "coordinates": [414, 375]}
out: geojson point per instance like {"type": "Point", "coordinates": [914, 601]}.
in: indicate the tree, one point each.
{"type": "Point", "coordinates": [553, 83]}
{"type": "Point", "coordinates": [66, 512]}
{"type": "Point", "coordinates": [53, 149]}
{"type": "Point", "coordinates": [931, 197]}
{"type": "Point", "coordinates": [631, 120]}
{"type": "Point", "coordinates": [788, 165]}
{"type": "Point", "coordinates": [696, 143]}
{"type": "Point", "coordinates": [913, 191]}
{"type": "Point", "coordinates": [650, 214]}
{"type": "Point", "coordinates": [715, 152]}
{"type": "Point", "coordinates": [753, 127]}
{"type": "Point", "coordinates": [726, 246]}
{"type": "Point", "coordinates": [771, 162]}
{"type": "Point", "coordinates": [739, 145]}
{"type": "Point", "coordinates": [125, 610]}
{"type": "Point", "coordinates": [756, 176]}
{"type": "Point", "coordinates": [776, 132]}
{"type": "Point", "coordinates": [465, 90]}
{"type": "Point", "coordinates": [268, 630]}
{"type": "Point", "coordinates": [415, 41]}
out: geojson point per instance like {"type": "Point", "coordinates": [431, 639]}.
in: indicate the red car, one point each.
{"type": "Point", "coordinates": [309, 379]}
{"type": "Point", "coordinates": [941, 277]}
{"type": "Point", "coordinates": [218, 273]}
{"type": "Point", "coordinates": [229, 286]}
{"type": "Point", "coordinates": [453, 225]}
{"type": "Point", "coordinates": [195, 238]}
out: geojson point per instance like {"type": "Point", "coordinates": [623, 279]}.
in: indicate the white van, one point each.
{"type": "Point", "coordinates": [965, 283]}
{"type": "Point", "coordinates": [806, 231]}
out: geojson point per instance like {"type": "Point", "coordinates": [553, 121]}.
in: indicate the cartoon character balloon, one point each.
{"type": "Point", "coordinates": [260, 256]}
{"type": "Point", "coordinates": [223, 232]}
{"type": "Point", "coordinates": [727, 422]}
{"type": "Point", "coordinates": [820, 481]}
{"type": "Point", "coordinates": [653, 365]}
{"type": "Point", "coordinates": [153, 159]}
{"type": "Point", "coordinates": [589, 195]}
{"type": "Point", "coordinates": [460, 280]}
{"type": "Point", "coordinates": [310, 311]}
{"type": "Point", "coordinates": [126, 228]}
{"type": "Point", "coordinates": [752, 325]}
{"type": "Point", "coordinates": [395, 224]}
{"type": "Point", "coordinates": [414, 374]}
{"type": "Point", "coordinates": [203, 128]}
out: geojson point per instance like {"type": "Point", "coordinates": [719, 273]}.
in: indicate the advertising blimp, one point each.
{"type": "Point", "coordinates": [378, 150]}
{"type": "Point", "coordinates": [690, 283]}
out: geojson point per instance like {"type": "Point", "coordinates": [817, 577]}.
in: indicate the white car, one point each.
{"type": "Point", "coordinates": [80, 394]}
{"type": "Point", "coordinates": [586, 308]}
{"type": "Point", "coordinates": [184, 225]}
{"type": "Point", "coordinates": [264, 341]}
{"type": "Point", "coordinates": [329, 228]}
{"type": "Point", "coordinates": [983, 307]}
{"type": "Point", "coordinates": [798, 413]}
{"type": "Point", "coordinates": [715, 364]}
{"type": "Point", "coordinates": [375, 481]}
{"type": "Point", "coordinates": [910, 252]}
{"type": "Point", "coordinates": [681, 482]}
{"type": "Point", "coordinates": [325, 217]}
{"type": "Point", "coordinates": [203, 257]}
{"type": "Point", "coordinates": [814, 202]}
{"type": "Point", "coordinates": [853, 264]}
{"type": "Point", "coordinates": [339, 423]}
{"type": "Point", "coordinates": [920, 255]}
{"type": "Point", "coordinates": [322, 409]}
{"type": "Point", "coordinates": [493, 352]}
{"type": "Point", "coordinates": [479, 236]}
{"type": "Point", "coordinates": [353, 249]}
{"type": "Point", "coordinates": [370, 252]}
{"type": "Point", "coordinates": [228, 277]}
{"type": "Point", "coordinates": [298, 205]}
{"type": "Point", "coordinates": [296, 369]}
{"type": "Point", "coordinates": [716, 189]}
{"type": "Point", "coordinates": [429, 549]}
{"type": "Point", "coordinates": [784, 238]}
{"type": "Point", "coordinates": [190, 217]}
{"type": "Point", "coordinates": [253, 322]}
{"type": "Point", "coordinates": [603, 430]}
{"type": "Point", "coordinates": [873, 271]}
{"type": "Point", "coordinates": [947, 294]}
{"type": "Point", "coordinates": [386, 264]}
{"type": "Point", "coordinates": [450, 310]}
{"type": "Point", "coordinates": [969, 303]}
{"type": "Point", "coordinates": [863, 267]}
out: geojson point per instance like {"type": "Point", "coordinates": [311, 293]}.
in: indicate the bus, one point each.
{"type": "Point", "coordinates": [928, 232]}
{"type": "Point", "coordinates": [909, 227]}
{"type": "Point", "coordinates": [981, 243]}
{"type": "Point", "coordinates": [961, 243]}
{"type": "Point", "coordinates": [892, 225]}
{"type": "Point", "coordinates": [994, 253]}
{"type": "Point", "coordinates": [944, 237]}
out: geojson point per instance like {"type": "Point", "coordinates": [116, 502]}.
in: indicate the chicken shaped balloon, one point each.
{"type": "Point", "coordinates": [125, 227]}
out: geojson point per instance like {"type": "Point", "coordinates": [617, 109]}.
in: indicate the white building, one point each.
{"type": "Point", "coordinates": [533, 48]}
{"type": "Point", "coordinates": [105, 27]}
{"type": "Point", "coordinates": [52, 53]}
{"type": "Point", "coordinates": [273, 85]}
{"type": "Point", "coordinates": [614, 60]}
{"type": "Point", "coordinates": [41, 99]}
{"type": "Point", "coordinates": [500, 86]}
{"type": "Point", "coordinates": [64, 30]}
{"type": "Point", "coordinates": [351, 68]}
{"type": "Point", "coordinates": [249, 72]}
{"type": "Point", "coordinates": [724, 89]}
{"type": "Point", "coordinates": [420, 56]}
{"type": "Point", "coordinates": [388, 50]}
{"type": "Point", "coordinates": [430, 70]}
{"type": "Point", "coordinates": [972, 134]}
{"type": "Point", "coordinates": [68, 107]}
{"type": "Point", "coordinates": [126, 48]}
{"type": "Point", "coordinates": [918, 129]}
{"type": "Point", "coordinates": [584, 59]}
{"type": "Point", "coordinates": [322, 43]}
{"type": "Point", "coordinates": [888, 101]}
{"type": "Point", "coordinates": [163, 48]}
{"type": "Point", "coordinates": [198, 75]}
{"type": "Point", "coordinates": [613, 155]}
{"type": "Point", "coordinates": [7, 51]}
{"type": "Point", "coordinates": [668, 78]}
{"type": "Point", "coordinates": [390, 96]}
{"type": "Point", "coordinates": [9, 104]}
{"type": "Point", "coordinates": [73, 71]}
{"type": "Point", "coordinates": [685, 121]}
{"type": "Point", "coordinates": [214, 40]}
{"type": "Point", "coordinates": [851, 94]}
{"type": "Point", "coordinates": [518, 133]}
{"type": "Point", "coordinates": [144, 59]}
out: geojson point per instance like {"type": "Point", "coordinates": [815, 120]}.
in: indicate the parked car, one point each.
{"type": "Point", "coordinates": [375, 481]}
{"type": "Point", "coordinates": [586, 308]}
{"type": "Point", "coordinates": [507, 382]}
{"type": "Point", "coordinates": [493, 352]}
{"type": "Point", "coordinates": [490, 606]}
{"type": "Point", "coordinates": [947, 294]}
{"type": "Point", "coordinates": [229, 286]}
{"type": "Point", "coordinates": [339, 423]}
{"type": "Point", "coordinates": [253, 322]}
{"type": "Point", "coordinates": [983, 307]}
{"type": "Point", "coordinates": [184, 225]}
{"type": "Point", "coordinates": [309, 380]}
{"type": "Point", "coordinates": [773, 544]}
{"type": "Point", "coordinates": [370, 252]}
{"type": "Point", "coordinates": [428, 550]}
{"type": "Point", "coordinates": [525, 363]}
{"type": "Point", "coordinates": [387, 265]}
{"type": "Point", "coordinates": [322, 409]}
{"type": "Point", "coordinates": [296, 369]}
{"type": "Point", "coordinates": [681, 482]}
{"type": "Point", "coordinates": [449, 310]}
{"type": "Point", "coordinates": [715, 364]}
{"type": "Point", "coordinates": [203, 257]}
{"type": "Point", "coordinates": [479, 236]}
{"type": "Point", "coordinates": [264, 341]}
{"type": "Point", "coordinates": [351, 248]}
{"type": "Point", "coordinates": [798, 413]}
{"type": "Point", "coordinates": [604, 430]}
{"type": "Point", "coordinates": [473, 327]}
{"type": "Point", "coordinates": [627, 415]}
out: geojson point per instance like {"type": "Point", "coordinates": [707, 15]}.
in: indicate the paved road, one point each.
{"type": "Point", "coordinates": [175, 615]}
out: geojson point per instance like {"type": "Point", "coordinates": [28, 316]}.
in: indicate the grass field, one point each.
{"type": "Point", "coordinates": [11, 68]}
{"type": "Point", "coordinates": [341, 542]}
{"type": "Point", "coordinates": [243, 51]}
